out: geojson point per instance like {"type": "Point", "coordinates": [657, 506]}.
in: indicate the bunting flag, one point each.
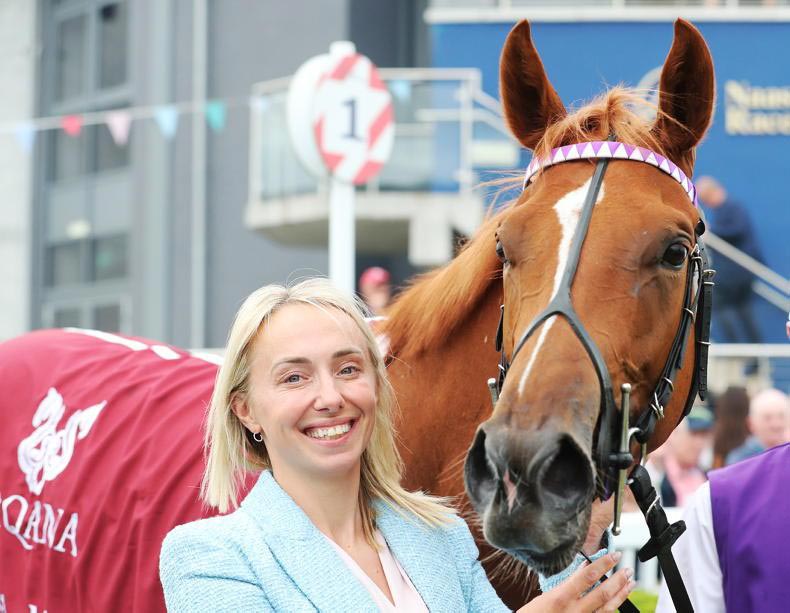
{"type": "Point", "coordinates": [167, 119]}
{"type": "Point", "coordinates": [25, 134]}
{"type": "Point", "coordinates": [119, 123]}
{"type": "Point", "coordinates": [215, 115]}
{"type": "Point", "coordinates": [400, 88]}
{"type": "Point", "coordinates": [71, 124]}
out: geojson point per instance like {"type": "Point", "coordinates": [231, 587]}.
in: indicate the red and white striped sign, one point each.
{"type": "Point", "coordinates": [353, 119]}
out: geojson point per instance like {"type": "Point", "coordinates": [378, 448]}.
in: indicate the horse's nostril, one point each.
{"type": "Point", "coordinates": [568, 475]}
{"type": "Point", "coordinates": [480, 478]}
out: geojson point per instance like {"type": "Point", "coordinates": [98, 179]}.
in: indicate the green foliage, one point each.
{"type": "Point", "coordinates": [644, 601]}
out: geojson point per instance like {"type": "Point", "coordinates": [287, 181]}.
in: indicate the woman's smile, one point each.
{"type": "Point", "coordinates": [335, 433]}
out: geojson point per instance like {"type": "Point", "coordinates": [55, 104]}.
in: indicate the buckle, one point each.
{"type": "Point", "coordinates": [656, 407]}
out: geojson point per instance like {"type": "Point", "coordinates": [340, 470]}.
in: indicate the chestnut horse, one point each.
{"type": "Point", "coordinates": [533, 476]}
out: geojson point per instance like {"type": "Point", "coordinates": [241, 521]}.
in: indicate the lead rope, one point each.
{"type": "Point", "coordinates": [662, 534]}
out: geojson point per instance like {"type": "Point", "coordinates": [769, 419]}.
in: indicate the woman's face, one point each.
{"type": "Point", "coordinates": [312, 392]}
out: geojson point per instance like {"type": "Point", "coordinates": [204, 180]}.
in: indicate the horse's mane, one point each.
{"type": "Point", "coordinates": [436, 303]}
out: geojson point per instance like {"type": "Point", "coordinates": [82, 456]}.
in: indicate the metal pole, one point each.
{"type": "Point", "coordinates": [198, 268]}
{"type": "Point", "coordinates": [342, 235]}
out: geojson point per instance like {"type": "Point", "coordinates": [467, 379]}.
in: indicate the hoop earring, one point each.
{"type": "Point", "coordinates": [258, 437]}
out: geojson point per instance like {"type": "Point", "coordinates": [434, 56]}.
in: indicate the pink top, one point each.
{"type": "Point", "coordinates": [405, 595]}
{"type": "Point", "coordinates": [684, 481]}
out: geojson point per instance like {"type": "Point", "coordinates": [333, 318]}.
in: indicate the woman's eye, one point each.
{"type": "Point", "coordinates": [675, 255]}
{"type": "Point", "coordinates": [349, 370]}
{"type": "Point", "coordinates": [293, 378]}
{"type": "Point", "coordinates": [500, 252]}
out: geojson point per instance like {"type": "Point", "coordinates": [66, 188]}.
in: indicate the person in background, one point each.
{"type": "Point", "coordinates": [683, 472]}
{"type": "Point", "coordinates": [375, 289]}
{"type": "Point", "coordinates": [733, 304]}
{"type": "Point", "coordinates": [733, 555]}
{"type": "Point", "coordinates": [769, 414]}
{"type": "Point", "coordinates": [730, 428]}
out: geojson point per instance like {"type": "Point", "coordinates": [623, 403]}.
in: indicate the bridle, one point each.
{"type": "Point", "coordinates": [697, 298]}
{"type": "Point", "coordinates": [612, 440]}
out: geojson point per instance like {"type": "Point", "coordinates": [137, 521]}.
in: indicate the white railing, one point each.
{"type": "Point", "coordinates": [727, 361]}
{"type": "Point", "coordinates": [769, 284]}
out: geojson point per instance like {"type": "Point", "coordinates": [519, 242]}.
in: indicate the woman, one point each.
{"type": "Point", "coordinates": [302, 397]}
{"type": "Point", "coordinates": [730, 429]}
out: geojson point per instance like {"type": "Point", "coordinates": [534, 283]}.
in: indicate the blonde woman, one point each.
{"type": "Point", "coordinates": [303, 399]}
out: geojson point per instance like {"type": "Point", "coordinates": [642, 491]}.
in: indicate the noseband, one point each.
{"type": "Point", "coordinates": [697, 296]}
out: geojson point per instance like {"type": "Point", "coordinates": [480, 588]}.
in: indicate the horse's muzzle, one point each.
{"type": "Point", "coordinates": [532, 490]}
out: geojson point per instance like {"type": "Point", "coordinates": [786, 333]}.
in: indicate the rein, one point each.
{"type": "Point", "coordinates": [614, 463]}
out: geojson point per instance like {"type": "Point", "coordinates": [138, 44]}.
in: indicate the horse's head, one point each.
{"type": "Point", "coordinates": [531, 472]}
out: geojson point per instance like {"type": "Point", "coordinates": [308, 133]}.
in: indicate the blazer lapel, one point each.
{"type": "Point", "coordinates": [425, 556]}
{"type": "Point", "coordinates": [302, 551]}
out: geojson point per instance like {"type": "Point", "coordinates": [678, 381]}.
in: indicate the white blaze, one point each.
{"type": "Point", "coordinates": [568, 209]}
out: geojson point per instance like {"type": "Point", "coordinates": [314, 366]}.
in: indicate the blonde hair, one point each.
{"type": "Point", "coordinates": [231, 451]}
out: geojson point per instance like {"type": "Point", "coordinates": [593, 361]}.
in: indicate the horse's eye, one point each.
{"type": "Point", "coordinates": [500, 252]}
{"type": "Point", "coordinates": [675, 255]}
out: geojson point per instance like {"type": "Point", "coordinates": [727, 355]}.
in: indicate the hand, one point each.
{"type": "Point", "coordinates": [601, 518]}
{"type": "Point", "coordinates": [572, 595]}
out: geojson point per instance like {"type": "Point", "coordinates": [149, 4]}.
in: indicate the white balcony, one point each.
{"type": "Point", "coordinates": [447, 132]}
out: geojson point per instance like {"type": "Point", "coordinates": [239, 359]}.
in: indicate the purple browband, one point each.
{"type": "Point", "coordinates": [616, 151]}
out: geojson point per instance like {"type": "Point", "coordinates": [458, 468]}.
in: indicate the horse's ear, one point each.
{"type": "Point", "coordinates": [530, 102]}
{"type": "Point", "coordinates": [686, 94]}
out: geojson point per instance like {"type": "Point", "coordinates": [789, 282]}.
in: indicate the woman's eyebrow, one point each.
{"type": "Point", "coordinates": [340, 353]}
{"type": "Point", "coordinates": [294, 360]}
{"type": "Point", "coordinates": [344, 352]}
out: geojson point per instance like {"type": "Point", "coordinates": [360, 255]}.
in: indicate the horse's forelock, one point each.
{"type": "Point", "coordinates": [615, 113]}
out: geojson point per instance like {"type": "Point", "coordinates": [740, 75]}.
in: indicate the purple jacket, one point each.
{"type": "Point", "coordinates": [750, 502]}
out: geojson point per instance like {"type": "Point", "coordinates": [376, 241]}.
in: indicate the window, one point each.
{"type": "Point", "coordinates": [66, 155]}
{"type": "Point", "coordinates": [67, 263]}
{"type": "Point", "coordinates": [109, 258]}
{"type": "Point", "coordinates": [107, 155]}
{"type": "Point", "coordinates": [100, 314]}
{"type": "Point", "coordinates": [85, 68]}
{"type": "Point", "coordinates": [90, 63]}
{"type": "Point", "coordinates": [107, 317]}
{"type": "Point", "coordinates": [70, 57]}
{"type": "Point", "coordinates": [69, 317]}
{"type": "Point", "coordinates": [64, 264]}
{"type": "Point", "coordinates": [112, 45]}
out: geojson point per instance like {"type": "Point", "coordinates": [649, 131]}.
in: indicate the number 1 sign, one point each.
{"type": "Point", "coordinates": [353, 119]}
{"type": "Point", "coordinates": [340, 99]}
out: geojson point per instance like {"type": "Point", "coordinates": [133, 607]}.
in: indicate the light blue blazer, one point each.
{"type": "Point", "coordinates": [268, 556]}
